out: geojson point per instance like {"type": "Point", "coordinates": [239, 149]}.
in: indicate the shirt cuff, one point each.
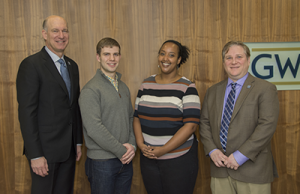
{"type": "Point", "coordinates": [240, 158]}
{"type": "Point", "coordinates": [36, 158]}
{"type": "Point", "coordinates": [133, 147]}
{"type": "Point", "coordinates": [211, 152]}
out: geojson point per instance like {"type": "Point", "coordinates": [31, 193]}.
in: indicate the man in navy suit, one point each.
{"type": "Point", "coordinates": [49, 115]}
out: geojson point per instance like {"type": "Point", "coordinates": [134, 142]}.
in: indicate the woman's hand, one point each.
{"type": "Point", "coordinates": [147, 151]}
{"type": "Point", "coordinates": [157, 151]}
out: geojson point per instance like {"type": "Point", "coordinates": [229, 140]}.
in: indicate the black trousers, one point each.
{"type": "Point", "coordinates": [60, 178]}
{"type": "Point", "coordinates": [171, 176]}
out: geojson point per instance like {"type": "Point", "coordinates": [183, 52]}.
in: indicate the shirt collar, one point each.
{"type": "Point", "coordinates": [53, 56]}
{"type": "Point", "coordinates": [239, 82]}
{"type": "Point", "coordinates": [117, 73]}
{"type": "Point", "coordinates": [111, 78]}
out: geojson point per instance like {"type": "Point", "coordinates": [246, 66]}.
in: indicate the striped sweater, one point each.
{"type": "Point", "coordinates": [163, 109]}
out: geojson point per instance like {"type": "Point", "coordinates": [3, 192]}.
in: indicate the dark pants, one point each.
{"type": "Point", "coordinates": [171, 176]}
{"type": "Point", "coordinates": [60, 178]}
{"type": "Point", "coordinates": [109, 176]}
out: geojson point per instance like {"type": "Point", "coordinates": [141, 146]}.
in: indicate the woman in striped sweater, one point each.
{"type": "Point", "coordinates": [167, 113]}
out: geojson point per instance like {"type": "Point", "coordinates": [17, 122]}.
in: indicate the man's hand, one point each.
{"type": "Point", "coordinates": [231, 162]}
{"type": "Point", "coordinates": [218, 158]}
{"type": "Point", "coordinates": [39, 166]}
{"type": "Point", "coordinates": [78, 153]}
{"type": "Point", "coordinates": [128, 156]}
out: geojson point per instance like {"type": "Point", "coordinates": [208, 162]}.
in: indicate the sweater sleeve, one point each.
{"type": "Point", "coordinates": [137, 100]}
{"type": "Point", "coordinates": [131, 133]}
{"type": "Point", "coordinates": [191, 105]}
{"type": "Point", "coordinates": [91, 118]}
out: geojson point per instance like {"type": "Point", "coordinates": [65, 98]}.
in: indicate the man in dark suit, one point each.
{"type": "Point", "coordinates": [239, 118]}
{"type": "Point", "coordinates": [49, 115]}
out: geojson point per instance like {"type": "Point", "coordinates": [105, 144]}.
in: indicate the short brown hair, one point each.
{"type": "Point", "coordinates": [107, 42]}
{"type": "Point", "coordinates": [238, 43]}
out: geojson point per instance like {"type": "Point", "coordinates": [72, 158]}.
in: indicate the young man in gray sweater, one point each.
{"type": "Point", "coordinates": [107, 116]}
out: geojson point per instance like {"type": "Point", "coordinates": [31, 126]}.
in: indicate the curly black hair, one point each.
{"type": "Point", "coordinates": [184, 51]}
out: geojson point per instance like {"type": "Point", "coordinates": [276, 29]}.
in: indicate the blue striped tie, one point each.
{"type": "Point", "coordinates": [65, 75]}
{"type": "Point", "coordinates": [227, 116]}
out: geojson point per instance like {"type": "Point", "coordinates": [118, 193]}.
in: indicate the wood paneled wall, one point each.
{"type": "Point", "coordinates": [141, 26]}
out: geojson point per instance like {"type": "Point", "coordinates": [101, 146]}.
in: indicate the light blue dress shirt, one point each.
{"type": "Point", "coordinates": [238, 156]}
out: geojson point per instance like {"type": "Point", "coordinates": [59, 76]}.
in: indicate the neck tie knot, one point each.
{"type": "Point", "coordinates": [233, 86]}
{"type": "Point", "coordinates": [61, 61]}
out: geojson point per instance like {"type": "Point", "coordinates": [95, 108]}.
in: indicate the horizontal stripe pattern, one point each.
{"type": "Point", "coordinates": [163, 109]}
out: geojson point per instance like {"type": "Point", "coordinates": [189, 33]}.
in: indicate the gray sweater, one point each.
{"type": "Point", "coordinates": [107, 117]}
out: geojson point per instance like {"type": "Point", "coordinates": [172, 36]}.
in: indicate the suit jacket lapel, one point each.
{"type": "Point", "coordinates": [52, 68]}
{"type": "Point", "coordinates": [247, 87]}
{"type": "Point", "coordinates": [220, 100]}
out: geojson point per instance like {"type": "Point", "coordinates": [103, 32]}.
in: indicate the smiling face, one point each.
{"type": "Point", "coordinates": [168, 58]}
{"type": "Point", "coordinates": [236, 63]}
{"type": "Point", "coordinates": [109, 60]}
{"type": "Point", "coordinates": [56, 35]}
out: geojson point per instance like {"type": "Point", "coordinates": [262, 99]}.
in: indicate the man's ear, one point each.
{"type": "Point", "coordinates": [98, 57]}
{"type": "Point", "coordinates": [44, 34]}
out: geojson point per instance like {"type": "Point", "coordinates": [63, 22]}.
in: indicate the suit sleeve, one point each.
{"type": "Point", "coordinates": [79, 137]}
{"type": "Point", "coordinates": [28, 99]}
{"type": "Point", "coordinates": [205, 129]}
{"type": "Point", "coordinates": [268, 112]}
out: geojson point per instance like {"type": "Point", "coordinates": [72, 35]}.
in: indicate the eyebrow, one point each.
{"type": "Point", "coordinates": [111, 53]}
{"type": "Point", "coordinates": [165, 51]}
{"type": "Point", "coordinates": [59, 29]}
{"type": "Point", "coordinates": [234, 54]}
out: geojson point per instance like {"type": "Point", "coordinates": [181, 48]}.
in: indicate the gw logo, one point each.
{"type": "Point", "coordinates": [282, 68]}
